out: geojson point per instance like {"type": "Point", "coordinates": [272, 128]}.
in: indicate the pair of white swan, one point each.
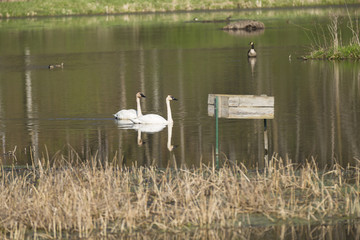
{"type": "Point", "coordinates": [149, 118]}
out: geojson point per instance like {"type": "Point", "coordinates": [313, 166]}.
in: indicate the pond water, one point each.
{"type": "Point", "coordinates": [108, 59]}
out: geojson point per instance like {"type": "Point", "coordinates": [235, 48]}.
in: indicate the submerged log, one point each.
{"type": "Point", "coordinates": [243, 33]}
{"type": "Point", "coordinates": [248, 25]}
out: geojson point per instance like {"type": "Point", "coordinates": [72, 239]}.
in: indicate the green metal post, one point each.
{"type": "Point", "coordinates": [217, 130]}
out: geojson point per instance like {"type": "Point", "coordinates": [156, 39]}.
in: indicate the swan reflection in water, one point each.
{"type": "Point", "coordinates": [140, 128]}
{"type": "Point", "coordinates": [147, 128]}
{"type": "Point", "coordinates": [170, 147]}
{"type": "Point", "coordinates": [153, 129]}
{"type": "Point", "coordinates": [124, 123]}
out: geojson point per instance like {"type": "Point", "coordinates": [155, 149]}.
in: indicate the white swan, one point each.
{"type": "Point", "coordinates": [155, 118]}
{"type": "Point", "coordinates": [130, 113]}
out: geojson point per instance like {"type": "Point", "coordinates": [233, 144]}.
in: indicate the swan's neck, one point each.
{"type": "Point", "coordinates": [139, 113]}
{"type": "Point", "coordinates": [169, 116]}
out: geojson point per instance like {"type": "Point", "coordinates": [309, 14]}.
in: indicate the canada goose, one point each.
{"type": "Point", "coordinates": [155, 118]}
{"type": "Point", "coordinates": [126, 114]}
{"type": "Point", "coordinates": [252, 52]}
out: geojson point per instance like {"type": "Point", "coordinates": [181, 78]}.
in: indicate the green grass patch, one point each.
{"type": "Point", "coordinates": [329, 44]}
{"type": "Point", "coordinates": [345, 52]}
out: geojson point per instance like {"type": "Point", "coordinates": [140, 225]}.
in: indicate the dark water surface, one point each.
{"type": "Point", "coordinates": [107, 59]}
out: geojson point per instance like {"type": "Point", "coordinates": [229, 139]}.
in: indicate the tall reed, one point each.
{"type": "Point", "coordinates": [68, 197]}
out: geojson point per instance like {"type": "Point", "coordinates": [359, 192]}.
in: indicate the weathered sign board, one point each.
{"type": "Point", "coordinates": [242, 106]}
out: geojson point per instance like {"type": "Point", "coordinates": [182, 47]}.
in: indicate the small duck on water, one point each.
{"type": "Point", "coordinates": [52, 66]}
{"type": "Point", "coordinates": [252, 52]}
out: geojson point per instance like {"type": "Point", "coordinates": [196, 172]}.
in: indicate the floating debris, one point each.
{"type": "Point", "coordinates": [247, 25]}
{"type": "Point", "coordinates": [226, 20]}
{"type": "Point", "coordinates": [52, 66]}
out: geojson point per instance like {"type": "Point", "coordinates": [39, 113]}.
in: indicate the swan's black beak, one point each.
{"type": "Point", "coordinates": [172, 98]}
{"type": "Point", "coordinates": [142, 95]}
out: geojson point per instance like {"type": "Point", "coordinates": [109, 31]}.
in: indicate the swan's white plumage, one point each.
{"type": "Point", "coordinates": [150, 119]}
{"type": "Point", "coordinates": [155, 118]}
{"type": "Point", "coordinates": [127, 114]}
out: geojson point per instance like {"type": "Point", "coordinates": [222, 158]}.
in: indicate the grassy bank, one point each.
{"type": "Point", "coordinates": [94, 199]}
{"type": "Point", "coordinates": [84, 7]}
{"type": "Point", "coordinates": [345, 52]}
{"type": "Point", "coordinates": [328, 43]}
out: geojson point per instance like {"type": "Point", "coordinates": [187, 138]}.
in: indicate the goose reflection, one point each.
{"type": "Point", "coordinates": [252, 62]}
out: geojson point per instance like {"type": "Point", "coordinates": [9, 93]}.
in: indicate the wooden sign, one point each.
{"type": "Point", "coordinates": [242, 106]}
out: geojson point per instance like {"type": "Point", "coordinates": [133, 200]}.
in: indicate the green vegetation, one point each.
{"type": "Point", "coordinates": [101, 198]}
{"type": "Point", "coordinates": [345, 52]}
{"type": "Point", "coordinates": [84, 7]}
{"type": "Point", "coordinates": [330, 46]}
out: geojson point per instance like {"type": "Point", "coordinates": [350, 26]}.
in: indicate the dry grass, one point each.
{"type": "Point", "coordinates": [84, 199]}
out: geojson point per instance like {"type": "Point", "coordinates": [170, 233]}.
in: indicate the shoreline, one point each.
{"type": "Point", "coordinates": [33, 12]}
